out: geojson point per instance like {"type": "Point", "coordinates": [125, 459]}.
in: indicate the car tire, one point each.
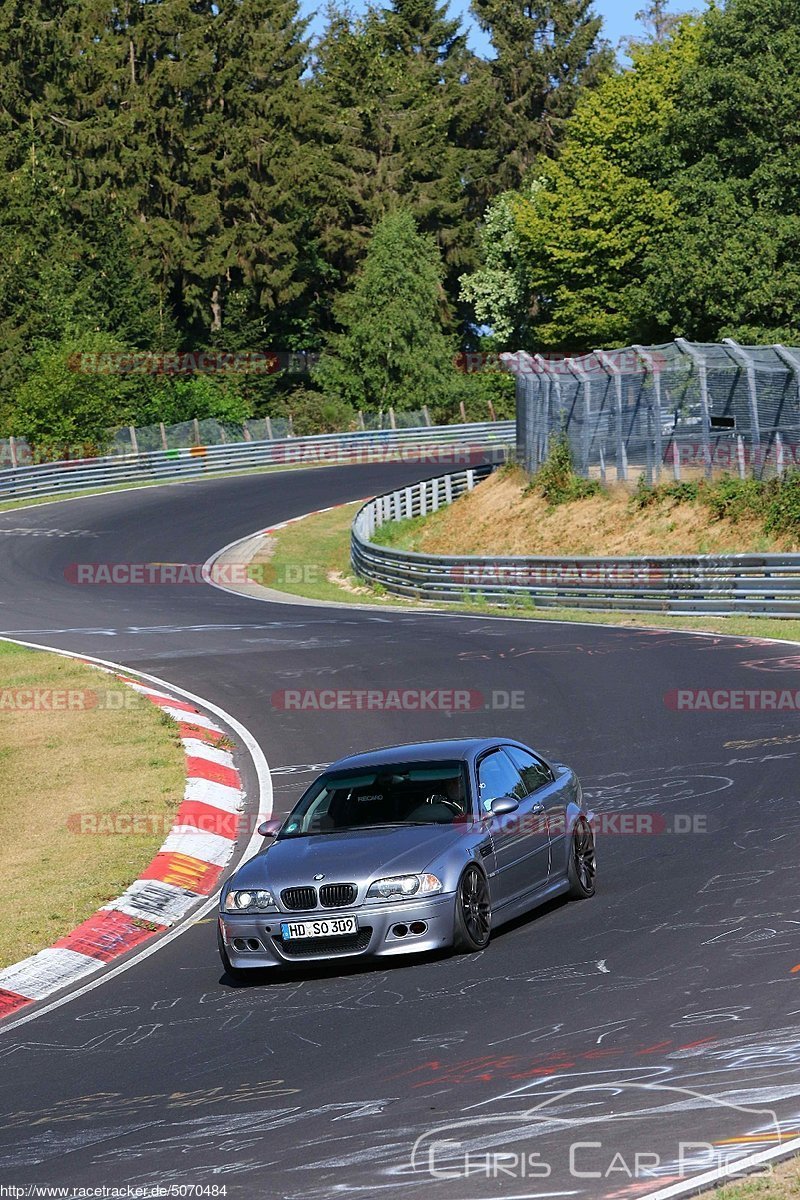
{"type": "Point", "coordinates": [233, 972]}
{"type": "Point", "coordinates": [582, 865]}
{"type": "Point", "coordinates": [473, 914]}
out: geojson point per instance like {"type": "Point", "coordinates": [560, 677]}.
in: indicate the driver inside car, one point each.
{"type": "Point", "coordinates": [446, 804]}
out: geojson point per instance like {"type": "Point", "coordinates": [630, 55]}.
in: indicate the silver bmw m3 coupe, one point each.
{"type": "Point", "coordinates": [408, 849]}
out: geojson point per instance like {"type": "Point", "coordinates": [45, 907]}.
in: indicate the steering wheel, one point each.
{"type": "Point", "coordinates": [451, 804]}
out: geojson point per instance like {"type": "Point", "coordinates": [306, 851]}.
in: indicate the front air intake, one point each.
{"type": "Point", "coordinates": [299, 898]}
{"type": "Point", "coordinates": [337, 895]}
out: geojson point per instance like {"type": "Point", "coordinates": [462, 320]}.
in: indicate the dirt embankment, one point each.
{"type": "Point", "coordinates": [499, 518]}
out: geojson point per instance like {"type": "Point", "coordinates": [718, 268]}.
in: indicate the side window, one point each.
{"type": "Point", "coordinates": [497, 776]}
{"type": "Point", "coordinates": [534, 772]}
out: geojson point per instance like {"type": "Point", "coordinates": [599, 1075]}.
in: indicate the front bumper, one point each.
{"type": "Point", "coordinates": [254, 939]}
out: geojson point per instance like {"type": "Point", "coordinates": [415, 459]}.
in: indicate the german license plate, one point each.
{"type": "Point", "coordinates": [325, 927]}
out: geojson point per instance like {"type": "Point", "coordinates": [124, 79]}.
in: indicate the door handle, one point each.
{"type": "Point", "coordinates": [537, 808]}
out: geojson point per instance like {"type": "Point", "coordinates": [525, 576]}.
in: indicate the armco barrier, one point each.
{"type": "Point", "coordinates": [456, 443]}
{"type": "Point", "coordinates": [765, 585]}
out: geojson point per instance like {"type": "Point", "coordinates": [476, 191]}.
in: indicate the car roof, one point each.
{"type": "Point", "coordinates": [461, 749]}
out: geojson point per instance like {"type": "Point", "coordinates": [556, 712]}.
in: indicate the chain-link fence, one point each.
{"type": "Point", "coordinates": [683, 408]}
{"type": "Point", "coordinates": [129, 439]}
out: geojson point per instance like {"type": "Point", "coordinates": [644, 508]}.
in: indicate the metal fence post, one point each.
{"type": "Point", "coordinates": [792, 361]}
{"type": "Point", "coordinates": [741, 461]}
{"type": "Point", "coordinates": [586, 437]}
{"type": "Point", "coordinates": [532, 393]}
{"type": "Point", "coordinates": [613, 370]}
{"type": "Point", "coordinates": [740, 355]}
{"type": "Point", "coordinates": [134, 443]}
{"type": "Point", "coordinates": [553, 387]}
{"type": "Point", "coordinates": [12, 446]}
{"type": "Point", "coordinates": [654, 409]}
{"type": "Point", "coordinates": [702, 373]}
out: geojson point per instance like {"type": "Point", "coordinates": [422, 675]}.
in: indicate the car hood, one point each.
{"type": "Point", "coordinates": [356, 856]}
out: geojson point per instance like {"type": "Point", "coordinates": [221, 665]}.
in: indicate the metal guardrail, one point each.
{"type": "Point", "coordinates": [424, 444]}
{"type": "Point", "coordinates": [765, 585]}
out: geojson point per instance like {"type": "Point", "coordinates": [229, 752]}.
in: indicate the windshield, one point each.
{"type": "Point", "coordinates": [393, 795]}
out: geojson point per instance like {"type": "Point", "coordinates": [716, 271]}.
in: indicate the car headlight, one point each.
{"type": "Point", "coordinates": [249, 900]}
{"type": "Point", "coordinates": [401, 887]}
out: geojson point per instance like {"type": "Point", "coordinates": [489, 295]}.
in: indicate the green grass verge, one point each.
{"type": "Point", "coordinates": [312, 558]}
{"type": "Point", "coordinates": [781, 1183]}
{"type": "Point", "coordinates": [109, 752]}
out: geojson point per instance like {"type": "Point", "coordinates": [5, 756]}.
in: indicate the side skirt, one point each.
{"type": "Point", "coordinates": [522, 904]}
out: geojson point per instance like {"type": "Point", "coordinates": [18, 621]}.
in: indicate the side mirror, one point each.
{"type": "Point", "coordinates": [270, 828]}
{"type": "Point", "coordinates": [503, 805]}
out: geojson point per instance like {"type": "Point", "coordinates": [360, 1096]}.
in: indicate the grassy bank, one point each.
{"type": "Point", "coordinates": [781, 1183]}
{"type": "Point", "coordinates": [105, 751]}
{"type": "Point", "coordinates": [510, 515]}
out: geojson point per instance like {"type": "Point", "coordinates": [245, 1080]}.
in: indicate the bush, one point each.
{"type": "Point", "coordinates": [61, 408]}
{"type": "Point", "coordinates": [645, 494]}
{"type": "Point", "coordinates": [477, 390]}
{"type": "Point", "coordinates": [172, 400]}
{"type": "Point", "coordinates": [783, 507]}
{"type": "Point", "coordinates": [683, 491]}
{"type": "Point", "coordinates": [313, 412]}
{"type": "Point", "coordinates": [556, 479]}
{"type": "Point", "coordinates": [732, 499]}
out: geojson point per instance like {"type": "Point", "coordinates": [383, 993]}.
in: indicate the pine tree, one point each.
{"type": "Point", "coordinates": [396, 91]}
{"type": "Point", "coordinates": [253, 174]}
{"type": "Point", "coordinates": [393, 350]}
{"type": "Point", "coordinates": [545, 54]}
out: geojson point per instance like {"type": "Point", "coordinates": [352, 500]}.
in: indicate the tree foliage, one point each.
{"type": "Point", "coordinates": [731, 266]}
{"type": "Point", "coordinates": [393, 350]}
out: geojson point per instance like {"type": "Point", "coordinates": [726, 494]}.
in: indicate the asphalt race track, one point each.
{"type": "Point", "coordinates": [604, 1048]}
